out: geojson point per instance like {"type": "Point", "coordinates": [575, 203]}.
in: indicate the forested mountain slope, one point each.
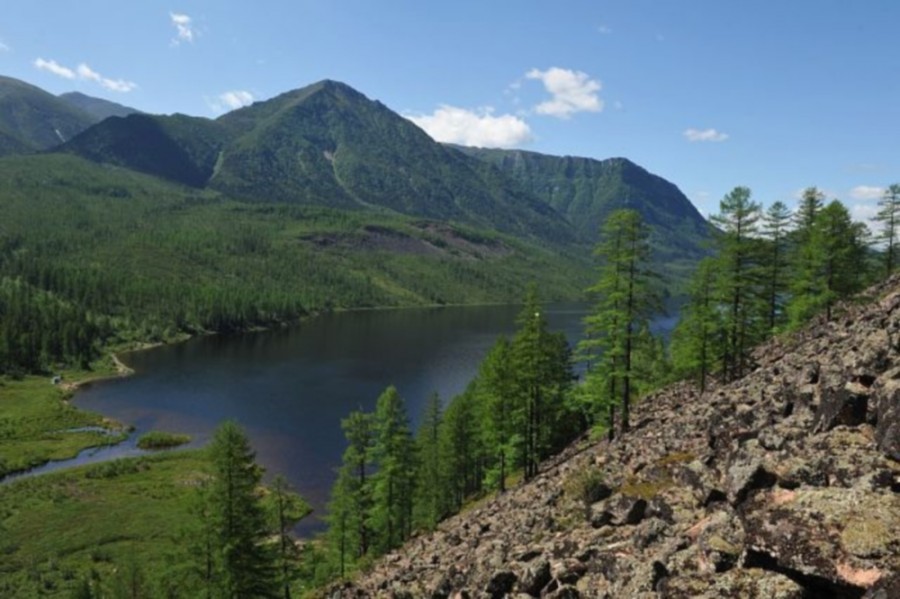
{"type": "Point", "coordinates": [781, 484]}
{"type": "Point", "coordinates": [32, 119]}
{"type": "Point", "coordinates": [327, 144]}
{"type": "Point", "coordinates": [587, 191]}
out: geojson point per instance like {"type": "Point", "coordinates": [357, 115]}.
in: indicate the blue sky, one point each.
{"type": "Point", "coordinates": [774, 95]}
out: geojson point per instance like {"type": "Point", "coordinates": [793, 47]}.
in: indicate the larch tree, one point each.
{"type": "Point", "coordinates": [351, 496]}
{"type": "Point", "coordinates": [285, 508]}
{"type": "Point", "coordinates": [392, 492]}
{"type": "Point", "coordinates": [543, 373]}
{"type": "Point", "coordinates": [496, 387]}
{"type": "Point", "coordinates": [626, 299]}
{"type": "Point", "coordinates": [431, 488]}
{"type": "Point", "coordinates": [737, 221]}
{"type": "Point", "coordinates": [776, 228]}
{"type": "Point", "coordinates": [240, 520]}
{"type": "Point", "coordinates": [697, 341]}
{"type": "Point", "coordinates": [889, 217]}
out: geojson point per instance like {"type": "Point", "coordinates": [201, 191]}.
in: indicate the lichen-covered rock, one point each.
{"type": "Point", "coordinates": [737, 584]}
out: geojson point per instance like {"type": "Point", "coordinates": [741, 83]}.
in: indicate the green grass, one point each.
{"type": "Point", "coordinates": [58, 529]}
{"type": "Point", "coordinates": [36, 422]}
{"type": "Point", "coordinates": [162, 440]}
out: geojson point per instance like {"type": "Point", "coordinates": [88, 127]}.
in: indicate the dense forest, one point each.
{"type": "Point", "coordinates": [92, 257]}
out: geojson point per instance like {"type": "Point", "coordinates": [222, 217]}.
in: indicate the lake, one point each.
{"type": "Point", "coordinates": [290, 388]}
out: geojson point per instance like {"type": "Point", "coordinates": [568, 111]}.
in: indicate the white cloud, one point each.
{"type": "Point", "coordinates": [85, 73]}
{"type": "Point", "coordinates": [115, 85]}
{"type": "Point", "coordinates": [474, 127]}
{"type": "Point", "coordinates": [571, 91]}
{"type": "Point", "coordinates": [183, 28]}
{"type": "Point", "coordinates": [866, 192]}
{"type": "Point", "coordinates": [4, 47]}
{"type": "Point", "coordinates": [232, 100]}
{"type": "Point", "coordinates": [694, 135]}
{"type": "Point", "coordinates": [51, 66]}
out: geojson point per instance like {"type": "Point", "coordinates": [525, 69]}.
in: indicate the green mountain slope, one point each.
{"type": "Point", "coordinates": [136, 257]}
{"type": "Point", "coordinates": [328, 144]}
{"type": "Point", "coordinates": [180, 148]}
{"type": "Point", "coordinates": [35, 119]}
{"type": "Point", "coordinates": [585, 191]}
{"type": "Point", "coordinates": [98, 108]}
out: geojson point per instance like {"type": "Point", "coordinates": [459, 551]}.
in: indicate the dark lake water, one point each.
{"type": "Point", "coordinates": [290, 388]}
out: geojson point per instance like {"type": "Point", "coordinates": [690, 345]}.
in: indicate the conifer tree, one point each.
{"type": "Point", "coordinates": [285, 508]}
{"type": "Point", "coordinates": [776, 222]}
{"type": "Point", "coordinates": [497, 392]}
{"type": "Point", "coordinates": [349, 533]}
{"type": "Point", "coordinates": [543, 373]}
{"type": "Point", "coordinates": [391, 516]}
{"type": "Point", "coordinates": [738, 276]}
{"type": "Point", "coordinates": [239, 517]}
{"type": "Point", "coordinates": [698, 338]}
{"type": "Point", "coordinates": [889, 217]}
{"type": "Point", "coordinates": [626, 300]}
{"type": "Point", "coordinates": [430, 503]}
{"type": "Point", "coordinates": [461, 447]}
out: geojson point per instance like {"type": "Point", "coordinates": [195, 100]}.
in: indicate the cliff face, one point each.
{"type": "Point", "coordinates": [783, 484]}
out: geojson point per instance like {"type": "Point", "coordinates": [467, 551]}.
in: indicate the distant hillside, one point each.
{"type": "Point", "coordinates": [32, 119]}
{"type": "Point", "coordinates": [585, 191]}
{"type": "Point", "coordinates": [98, 108]}
{"type": "Point", "coordinates": [328, 144]}
{"type": "Point", "coordinates": [179, 148]}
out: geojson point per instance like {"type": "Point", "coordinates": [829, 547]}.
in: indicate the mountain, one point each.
{"type": "Point", "coordinates": [179, 148]}
{"type": "Point", "coordinates": [782, 484]}
{"type": "Point", "coordinates": [98, 108]}
{"type": "Point", "coordinates": [33, 119]}
{"type": "Point", "coordinates": [585, 191]}
{"type": "Point", "coordinates": [329, 144]}
{"type": "Point", "coordinates": [325, 145]}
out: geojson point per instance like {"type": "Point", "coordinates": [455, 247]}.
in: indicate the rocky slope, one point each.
{"type": "Point", "coordinates": [785, 484]}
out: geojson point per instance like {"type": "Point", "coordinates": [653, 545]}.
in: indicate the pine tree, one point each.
{"type": "Point", "coordinates": [889, 217]}
{"type": "Point", "coordinates": [239, 517]}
